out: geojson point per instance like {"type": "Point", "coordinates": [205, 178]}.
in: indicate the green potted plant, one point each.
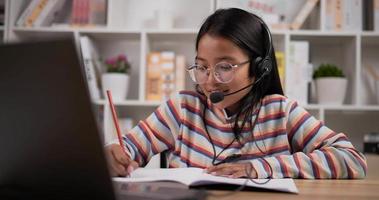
{"type": "Point", "coordinates": [331, 84]}
{"type": "Point", "coordinates": [116, 78]}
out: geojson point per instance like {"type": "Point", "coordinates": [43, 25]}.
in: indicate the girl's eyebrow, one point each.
{"type": "Point", "coordinates": [199, 58]}
{"type": "Point", "coordinates": [227, 58]}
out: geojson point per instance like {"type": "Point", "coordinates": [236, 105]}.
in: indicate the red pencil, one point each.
{"type": "Point", "coordinates": [115, 120]}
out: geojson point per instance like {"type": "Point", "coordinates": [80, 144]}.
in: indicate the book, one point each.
{"type": "Point", "coordinates": [303, 14]}
{"type": "Point", "coordinates": [338, 15]}
{"type": "Point", "coordinates": [279, 55]}
{"type": "Point", "coordinates": [90, 54]}
{"type": "Point", "coordinates": [35, 13]}
{"type": "Point", "coordinates": [180, 73]}
{"type": "Point", "coordinates": [352, 15]}
{"type": "Point", "coordinates": [167, 74]}
{"type": "Point", "coordinates": [153, 77]}
{"type": "Point", "coordinates": [49, 13]}
{"type": "Point", "coordinates": [343, 15]}
{"type": "Point", "coordinates": [27, 11]}
{"type": "Point", "coordinates": [97, 12]}
{"type": "Point", "coordinates": [196, 177]}
{"type": "Point", "coordinates": [298, 71]}
{"type": "Point", "coordinates": [88, 12]}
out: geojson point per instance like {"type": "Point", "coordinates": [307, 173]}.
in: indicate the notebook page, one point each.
{"type": "Point", "coordinates": [197, 177]}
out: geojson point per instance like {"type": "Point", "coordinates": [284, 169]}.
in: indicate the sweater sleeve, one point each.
{"type": "Point", "coordinates": [317, 152]}
{"type": "Point", "coordinates": [156, 133]}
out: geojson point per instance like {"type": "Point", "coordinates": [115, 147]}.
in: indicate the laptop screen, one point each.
{"type": "Point", "coordinates": [49, 141]}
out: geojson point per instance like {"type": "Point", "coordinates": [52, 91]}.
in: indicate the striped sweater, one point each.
{"type": "Point", "coordinates": [286, 137]}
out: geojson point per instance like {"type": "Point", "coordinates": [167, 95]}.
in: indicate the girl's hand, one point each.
{"type": "Point", "coordinates": [119, 163]}
{"type": "Point", "coordinates": [233, 170]}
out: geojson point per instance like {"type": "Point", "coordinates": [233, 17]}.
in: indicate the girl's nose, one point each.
{"type": "Point", "coordinates": [211, 77]}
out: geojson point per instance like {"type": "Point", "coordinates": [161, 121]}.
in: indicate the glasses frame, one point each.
{"type": "Point", "coordinates": [208, 68]}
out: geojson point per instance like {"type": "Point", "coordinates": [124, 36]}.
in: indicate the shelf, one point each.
{"type": "Point", "coordinates": [317, 33]}
{"type": "Point", "coordinates": [41, 29]}
{"type": "Point", "coordinates": [131, 103]}
{"type": "Point", "coordinates": [170, 31]}
{"type": "Point", "coordinates": [343, 107]}
{"type": "Point", "coordinates": [110, 30]}
{"type": "Point", "coordinates": [370, 33]}
{"type": "Point", "coordinates": [309, 106]}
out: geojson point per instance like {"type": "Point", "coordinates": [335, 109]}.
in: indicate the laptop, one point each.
{"type": "Point", "coordinates": [50, 145]}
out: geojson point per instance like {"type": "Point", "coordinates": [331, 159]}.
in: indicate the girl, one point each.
{"type": "Point", "coordinates": [238, 118]}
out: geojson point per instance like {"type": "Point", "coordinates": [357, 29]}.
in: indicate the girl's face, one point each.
{"type": "Point", "coordinates": [212, 50]}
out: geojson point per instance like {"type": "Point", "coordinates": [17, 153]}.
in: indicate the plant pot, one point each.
{"type": "Point", "coordinates": [331, 90]}
{"type": "Point", "coordinates": [117, 83]}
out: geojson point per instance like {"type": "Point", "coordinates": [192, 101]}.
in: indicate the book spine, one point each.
{"type": "Point", "coordinates": [97, 12]}
{"type": "Point", "coordinates": [153, 77]}
{"type": "Point", "coordinates": [281, 67]}
{"type": "Point", "coordinates": [358, 21]}
{"type": "Point", "coordinates": [28, 10]}
{"type": "Point", "coordinates": [85, 12]}
{"type": "Point", "coordinates": [303, 14]}
{"type": "Point", "coordinates": [86, 49]}
{"type": "Point", "coordinates": [347, 21]}
{"type": "Point", "coordinates": [329, 14]}
{"type": "Point", "coordinates": [180, 73]}
{"type": "Point", "coordinates": [75, 12]}
{"type": "Point", "coordinates": [352, 15]}
{"type": "Point", "coordinates": [42, 16]}
{"type": "Point", "coordinates": [35, 13]}
{"type": "Point", "coordinates": [168, 73]}
{"type": "Point", "coordinates": [52, 14]}
{"type": "Point", "coordinates": [338, 17]}
{"type": "Point", "coordinates": [298, 71]}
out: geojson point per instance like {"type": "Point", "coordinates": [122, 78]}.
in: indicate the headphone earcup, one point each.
{"type": "Point", "coordinates": [266, 67]}
{"type": "Point", "coordinates": [263, 66]}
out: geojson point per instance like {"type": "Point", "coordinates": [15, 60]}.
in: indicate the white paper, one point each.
{"type": "Point", "coordinates": [197, 177]}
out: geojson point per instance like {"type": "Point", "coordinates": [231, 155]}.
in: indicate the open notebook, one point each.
{"type": "Point", "coordinates": [196, 177]}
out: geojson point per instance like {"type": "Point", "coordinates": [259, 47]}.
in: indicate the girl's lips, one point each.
{"type": "Point", "coordinates": [217, 90]}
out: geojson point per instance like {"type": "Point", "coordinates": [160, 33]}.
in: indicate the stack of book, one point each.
{"type": "Point", "coordinates": [165, 75]}
{"type": "Point", "coordinates": [299, 72]}
{"type": "Point", "coordinates": [40, 13]}
{"type": "Point", "coordinates": [88, 12]}
{"type": "Point", "coordinates": [90, 55]}
{"type": "Point", "coordinates": [343, 15]}
{"type": "Point", "coordinates": [46, 12]}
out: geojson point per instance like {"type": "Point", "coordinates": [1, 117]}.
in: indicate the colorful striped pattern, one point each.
{"type": "Point", "coordinates": [286, 139]}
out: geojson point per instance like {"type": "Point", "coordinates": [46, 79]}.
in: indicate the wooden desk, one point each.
{"type": "Point", "coordinates": [367, 188]}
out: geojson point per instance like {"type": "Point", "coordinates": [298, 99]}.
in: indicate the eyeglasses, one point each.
{"type": "Point", "coordinates": [223, 72]}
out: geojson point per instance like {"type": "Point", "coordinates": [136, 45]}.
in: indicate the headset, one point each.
{"type": "Point", "coordinates": [264, 65]}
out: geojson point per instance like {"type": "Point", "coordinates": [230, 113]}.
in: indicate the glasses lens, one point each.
{"type": "Point", "coordinates": [198, 73]}
{"type": "Point", "coordinates": [224, 72]}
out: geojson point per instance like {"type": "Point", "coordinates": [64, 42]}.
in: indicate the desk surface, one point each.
{"type": "Point", "coordinates": [367, 188]}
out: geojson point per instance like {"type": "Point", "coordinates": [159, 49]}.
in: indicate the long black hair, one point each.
{"type": "Point", "coordinates": [246, 31]}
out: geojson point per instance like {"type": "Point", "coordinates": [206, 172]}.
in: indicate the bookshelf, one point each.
{"type": "Point", "coordinates": [136, 34]}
